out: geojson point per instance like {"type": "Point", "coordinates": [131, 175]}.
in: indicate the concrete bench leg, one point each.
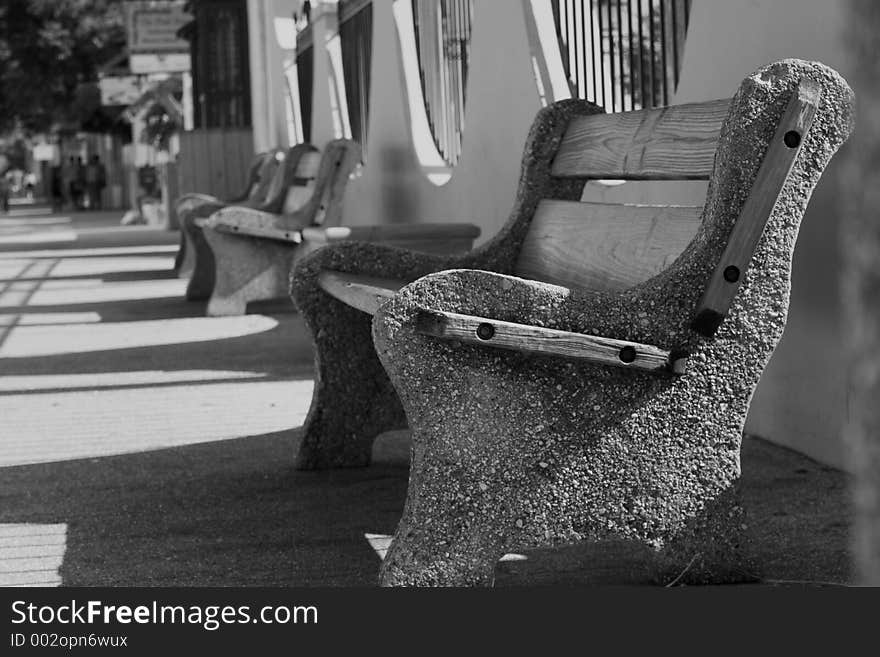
{"type": "Point", "coordinates": [713, 547]}
{"type": "Point", "coordinates": [247, 269]}
{"type": "Point", "coordinates": [512, 451]}
{"type": "Point", "coordinates": [192, 245]}
{"type": "Point", "coordinates": [180, 259]}
{"type": "Point", "coordinates": [353, 401]}
{"type": "Point", "coordinates": [201, 279]}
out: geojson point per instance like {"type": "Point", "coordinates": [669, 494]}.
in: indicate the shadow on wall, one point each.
{"type": "Point", "coordinates": [399, 202]}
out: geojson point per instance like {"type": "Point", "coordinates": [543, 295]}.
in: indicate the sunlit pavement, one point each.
{"type": "Point", "coordinates": [100, 355]}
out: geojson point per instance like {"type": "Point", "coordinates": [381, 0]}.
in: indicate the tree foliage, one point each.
{"type": "Point", "coordinates": [48, 48]}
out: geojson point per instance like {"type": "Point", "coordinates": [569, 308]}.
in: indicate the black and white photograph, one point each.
{"type": "Point", "coordinates": [303, 299]}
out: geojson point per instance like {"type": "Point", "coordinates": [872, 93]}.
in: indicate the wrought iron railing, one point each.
{"type": "Point", "coordinates": [443, 37]}
{"type": "Point", "coordinates": [622, 54]}
{"type": "Point", "coordinates": [356, 41]}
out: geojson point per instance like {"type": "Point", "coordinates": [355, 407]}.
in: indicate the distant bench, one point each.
{"type": "Point", "coordinates": [260, 175]}
{"type": "Point", "coordinates": [254, 251]}
{"type": "Point", "coordinates": [282, 187]}
{"type": "Point", "coordinates": [586, 374]}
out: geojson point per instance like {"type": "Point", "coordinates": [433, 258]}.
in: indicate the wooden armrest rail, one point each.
{"type": "Point", "coordinates": [243, 228]}
{"type": "Point", "coordinates": [540, 340]}
{"type": "Point", "coordinates": [749, 227]}
{"type": "Point", "coordinates": [366, 293]}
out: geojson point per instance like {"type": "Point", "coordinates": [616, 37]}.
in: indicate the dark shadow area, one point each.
{"type": "Point", "coordinates": [236, 513]}
{"type": "Point", "coordinates": [305, 375]}
{"type": "Point", "coordinates": [282, 352]}
{"type": "Point", "coordinates": [798, 513]}
{"type": "Point", "coordinates": [110, 238]}
{"type": "Point", "coordinates": [41, 253]}
{"type": "Point", "coordinates": [271, 307]}
{"type": "Point", "coordinates": [124, 310]}
{"type": "Point", "coordinates": [231, 513]}
{"type": "Point", "coordinates": [111, 277]}
{"type": "Point", "coordinates": [146, 309]}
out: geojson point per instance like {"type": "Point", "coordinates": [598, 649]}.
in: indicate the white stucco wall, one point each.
{"type": "Point", "coordinates": [266, 59]}
{"type": "Point", "coordinates": [501, 101]}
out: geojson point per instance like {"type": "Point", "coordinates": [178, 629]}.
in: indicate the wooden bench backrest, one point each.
{"type": "Point", "coordinates": [285, 178]}
{"type": "Point", "coordinates": [611, 247]}
{"type": "Point", "coordinates": [253, 177]}
{"type": "Point", "coordinates": [303, 185]}
{"type": "Point", "coordinates": [339, 160]}
{"type": "Point", "coordinates": [265, 175]}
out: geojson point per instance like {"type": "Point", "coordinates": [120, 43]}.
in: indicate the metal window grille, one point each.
{"type": "Point", "coordinates": [443, 37]}
{"type": "Point", "coordinates": [221, 77]}
{"type": "Point", "coordinates": [622, 54]}
{"type": "Point", "coordinates": [356, 38]}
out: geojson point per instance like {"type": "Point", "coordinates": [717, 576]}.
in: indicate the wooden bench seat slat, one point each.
{"type": "Point", "coordinates": [540, 340]}
{"type": "Point", "coordinates": [666, 143]}
{"type": "Point", "coordinates": [366, 293]}
{"type": "Point", "coordinates": [601, 246]}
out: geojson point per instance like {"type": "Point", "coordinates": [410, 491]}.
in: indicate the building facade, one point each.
{"type": "Point", "coordinates": [441, 94]}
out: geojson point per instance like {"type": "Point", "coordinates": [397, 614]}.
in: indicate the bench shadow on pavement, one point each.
{"type": "Point", "coordinates": [232, 513]}
{"type": "Point", "coordinates": [236, 513]}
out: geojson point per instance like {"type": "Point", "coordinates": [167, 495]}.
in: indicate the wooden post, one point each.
{"type": "Point", "coordinates": [861, 286]}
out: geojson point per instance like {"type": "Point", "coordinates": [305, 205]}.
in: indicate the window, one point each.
{"type": "Point", "coordinates": [356, 37]}
{"type": "Point", "coordinates": [443, 37]}
{"type": "Point", "coordinates": [221, 80]}
{"type": "Point", "coordinates": [622, 54]}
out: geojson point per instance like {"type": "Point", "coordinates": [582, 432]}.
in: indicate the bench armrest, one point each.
{"type": "Point", "coordinates": [241, 220]}
{"type": "Point", "coordinates": [546, 341]}
{"type": "Point", "coordinates": [244, 217]}
{"type": "Point", "coordinates": [496, 310]}
{"type": "Point", "coordinates": [188, 202]}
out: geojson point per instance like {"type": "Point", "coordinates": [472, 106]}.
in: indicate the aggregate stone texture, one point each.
{"type": "Point", "coordinates": [512, 451]}
{"type": "Point", "coordinates": [354, 400]}
{"type": "Point", "coordinates": [249, 268]}
{"type": "Point", "coordinates": [202, 273]}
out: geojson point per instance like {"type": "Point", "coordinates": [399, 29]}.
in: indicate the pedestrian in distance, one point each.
{"type": "Point", "coordinates": [4, 184]}
{"type": "Point", "coordinates": [56, 188]}
{"type": "Point", "coordinates": [78, 184]}
{"type": "Point", "coordinates": [68, 174]}
{"type": "Point", "coordinates": [95, 181]}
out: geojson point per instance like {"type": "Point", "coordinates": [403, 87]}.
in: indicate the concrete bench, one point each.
{"type": "Point", "coordinates": [254, 249]}
{"type": "Point", "coordinates": [260, 174]}
{"type": "Point", "coordinates": [289, 187]}
{"type": "Point", "coordinates": [587, 373]}
{"type": "Point", "coordinates": [255, 252]}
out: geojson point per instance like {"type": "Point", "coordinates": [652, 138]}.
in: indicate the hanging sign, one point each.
{"type": "Point", "coordinates": [152, 26]}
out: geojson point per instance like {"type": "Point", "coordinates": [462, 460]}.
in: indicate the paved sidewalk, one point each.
{"type": "Point", "coordinates": [100, 356]}
{"type": "Point", "coordinates": [144, 444]}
